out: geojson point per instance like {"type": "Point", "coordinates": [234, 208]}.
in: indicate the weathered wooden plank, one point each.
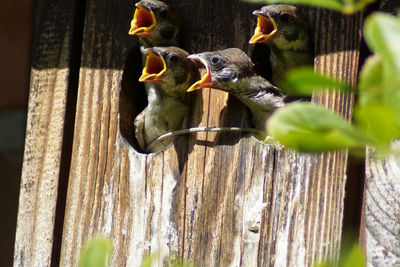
{"type": "Point", "coordinates": [50, 73]}
{"type": "Point", "coordinates": [304, 222]}
{"type": "Point", "coordinates": [212, 199]}
{"type": "Point", "coordinates": [105, 193]}
{"type": "Point", "coordinates": [381, 209]}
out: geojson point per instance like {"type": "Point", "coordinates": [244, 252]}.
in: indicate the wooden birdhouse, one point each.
{"type": "Point", "coordinates": [214, 199]}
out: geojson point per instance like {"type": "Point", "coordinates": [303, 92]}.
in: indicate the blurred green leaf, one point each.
{"type": "Point", "coordinates": [350, 8]}
{"type": "Point", "coordinates": [374, 88]}
{"type": "Point", "coordinates": [371, 79]}
{"type": "Point", "coordinates": [303, 81]}
{"type": "Point", "coordinates": [96, 252]}
{"type": "Point", "coordinates": [310, 128]}
{"type": "Point", "coordinates": [353, 258]}
{"type": "Point", "coordinates": [379, 120]}
{"type": "Point", "coordinates": [149, 259]}
{"type": "Point", "coordinates": [349, 257]}
{"type": "Point", "coordinates": [382, 34]}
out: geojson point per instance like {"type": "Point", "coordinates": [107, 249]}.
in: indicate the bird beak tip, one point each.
{"type": "Point", "coordinates": [193, 87]}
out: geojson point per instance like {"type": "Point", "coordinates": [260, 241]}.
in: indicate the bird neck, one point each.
{"type": "Point", "coordinates": [157, 93]}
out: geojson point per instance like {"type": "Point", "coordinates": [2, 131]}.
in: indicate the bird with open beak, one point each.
{"type": "Point", "coordinates": [286, 33]}
{"type": "Point", "coordinates": [232, 71]}
{"type": "Point", "coordinates": [155, 24]}
{"type": "Point", "coordinates": [168, 73]}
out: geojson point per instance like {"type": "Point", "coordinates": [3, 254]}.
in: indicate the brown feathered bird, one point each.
{"type": "Point", "coordinates": [168, 73]}
{"type": "Point", "coordinates": [155, 24]}
{"type": "Point", "coordinates": [286, 33]}
{"type": "Point", "coordinates": [231, 70]}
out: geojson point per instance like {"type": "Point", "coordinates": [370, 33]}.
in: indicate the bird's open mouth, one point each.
{"type": "Point", "coordinates": [143, 21]}
{"type": "Point", "coordinates": [154, 67]}
{"type": "Point", "coordinates": [205, 81]}
{"type": "Point", "coordinates": [265, 30]}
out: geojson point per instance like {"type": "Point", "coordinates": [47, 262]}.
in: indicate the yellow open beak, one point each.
{"type": "Point", "coordinates": [205, 81]}
{"type": "Point", "coordinates": [265, 30]}
{"type": "Point", "coordinates": [143, 21]}
{"type": "Point", "coordinates": [154, 67]}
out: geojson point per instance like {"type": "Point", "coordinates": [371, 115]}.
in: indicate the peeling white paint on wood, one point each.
{"type": "Point", "coordinates": [137, 189]}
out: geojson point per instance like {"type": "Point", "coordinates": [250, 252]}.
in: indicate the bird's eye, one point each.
{"type": "Point", "coordinates": [173, 59]}
{"type": "Point", "coordinates": [215, 60]}
{"type": "Point", "coordinates": [163, 13]}
{"type": "Point", "coordinates": [284, 18]}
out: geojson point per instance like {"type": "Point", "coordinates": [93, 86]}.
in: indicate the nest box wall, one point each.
{"type": "Point", "coordinates": [212, 199]}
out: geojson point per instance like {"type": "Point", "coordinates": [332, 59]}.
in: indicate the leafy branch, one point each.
{"type": "Point", "coordinates": [308, 127]}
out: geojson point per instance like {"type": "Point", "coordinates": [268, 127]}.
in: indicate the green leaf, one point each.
{"type": "Point", "coordinates": [382, 34]}
{"type": "Point", "coordinates": [353, 258]}
{"type": "Point", "coordinates": [371, 80]}
{"type": "Point", "coordinates": [350, 8]}
{"type": "Point", "coordinates": [374, 88]}
{"type": "Point", "coordinates": [322, 264]}
{"type": "Point", "coordinates": [331, 4]}
{"type": "Point", "coordinates": [149, 260]}
{"type": "Point", "coordinates": [348, 2]}
{"type": "Point", "coordinates": [379, 120]}
{"type": "Point", "coordinates": [303, 81]}
{"type": "Point", "coordinates": [310, 128]}
{"type": "Point", "coordinates": [96, 252]}
{"type": "Point", "coordinates": [350, 256]}
{"type": "Point", "coordinates": [378, 110]}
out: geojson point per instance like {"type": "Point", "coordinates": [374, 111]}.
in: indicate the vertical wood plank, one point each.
{"type": "Point", "coordinates": [51, 59]}
{"type": "Point", "coordinates": [381, 209]}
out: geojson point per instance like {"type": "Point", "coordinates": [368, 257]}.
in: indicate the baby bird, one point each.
{"type": "Point", "coordinates": [155, 24]}
{"type": "Point", "coordinates": [231, 70]}
{"type": "Point", "coordinates": [286, 33]}
{"type": "Point", "coordinates": [168, 73]}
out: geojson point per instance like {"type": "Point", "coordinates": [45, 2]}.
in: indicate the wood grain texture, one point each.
{"type": "Point", "coordinates": [44, 133]}
{"type": "Point", "coordinates": [211, 199]}
{"type": "Point", "coordinates": [381, 210]}
{"type": "Point", "coordinates": [380, 218]}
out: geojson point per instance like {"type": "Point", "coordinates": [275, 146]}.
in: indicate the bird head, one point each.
{"type": "Point", "coordinates": [224, 69]}
{"type": "Point", "coordinates": [169, 67]}
{"type": "Point", "coordinates": [280, 25]}
{"type": "Point", "coordinates": [154, 23]}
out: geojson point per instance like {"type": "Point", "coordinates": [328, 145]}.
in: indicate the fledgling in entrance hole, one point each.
{"type": "Point", "coordinates": [286, 33]}
{"type": "Point", "coordinates": [155, 24]}
{"type": "Point", "coordinates": [168, 73]}
{"type": "Point", "coordinates": [232, 71]}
